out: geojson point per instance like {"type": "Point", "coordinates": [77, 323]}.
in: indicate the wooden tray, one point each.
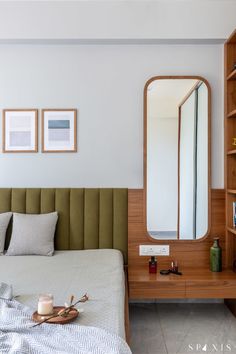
{"type": "Point", "coordinates": [56, 320]}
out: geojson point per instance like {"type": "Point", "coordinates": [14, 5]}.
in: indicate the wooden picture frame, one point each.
{"type": "Point", "coordinates": [19, 130]}
{"type": "Point", "coordinates": [59, 130]}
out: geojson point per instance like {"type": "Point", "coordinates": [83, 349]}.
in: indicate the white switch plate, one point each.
{"type": "Point", "coordinates": [154, 250]}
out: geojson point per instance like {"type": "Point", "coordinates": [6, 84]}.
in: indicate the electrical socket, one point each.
{"type": "Point", "coordinates": [154, 250]}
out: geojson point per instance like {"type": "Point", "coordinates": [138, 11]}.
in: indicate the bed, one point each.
{"type": "Point", "coordinates": [91, 252]}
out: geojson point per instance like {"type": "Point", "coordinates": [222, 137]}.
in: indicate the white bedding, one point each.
{"type": "Point", "coordinates": [96, 272]}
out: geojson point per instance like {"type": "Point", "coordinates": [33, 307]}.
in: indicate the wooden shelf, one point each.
{"type": "Point", "coordinates": [231, 191]}
{"type": "Point", "coordinates": [232, 75]}
{"type": "Point", "coordinates": [232, 230]}
{"type": "Point", "coordinates": [194, 283]}
{"type": "Point", "coordinates": [232, 38]}
{"type": "Point", "coordinates": [232, 114]}
{"type": "Point", "coordinates": [231, 152]}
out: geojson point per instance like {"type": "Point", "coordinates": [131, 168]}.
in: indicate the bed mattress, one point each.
{"type": "Point", "coordinates": [96, 272]}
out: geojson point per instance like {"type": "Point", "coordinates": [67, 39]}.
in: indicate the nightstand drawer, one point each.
{"type": "Point", "coordinates": [211, 289]}
{"type": "Point", "coordinates": [156, 289]}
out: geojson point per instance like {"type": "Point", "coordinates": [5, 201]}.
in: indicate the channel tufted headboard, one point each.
{"type": "Point", "coordinates": [88, 218]}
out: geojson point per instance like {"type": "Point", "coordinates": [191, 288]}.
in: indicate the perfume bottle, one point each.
{"type": "Point", "coordinates": [153, 265]}
{"type": "Point", "coordinates": [174, 266]}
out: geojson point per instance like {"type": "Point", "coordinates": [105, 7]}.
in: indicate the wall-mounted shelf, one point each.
{"type": "Point", "coordinates": [232, 75]}
{"type": "Point", "coordinates": [231, 191]}
{"type": "Point", "coordinates": [232, 230]}
{"type": "Point", "coordinates": [231, 152]}
{"type": "Point", "coordinates": [232, 114]}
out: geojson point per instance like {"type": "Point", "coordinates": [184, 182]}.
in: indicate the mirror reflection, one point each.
{"type": "Point", "coordinates": [177, 158]}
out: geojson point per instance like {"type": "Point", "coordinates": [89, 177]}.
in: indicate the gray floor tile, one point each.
{"type": "Point", "coordinates": [173, 328]}
{"type": "Point", "coordinates": [146, 334]}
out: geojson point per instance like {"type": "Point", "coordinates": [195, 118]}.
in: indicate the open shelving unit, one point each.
{"type": "Point", "coordinates": [230, 148]}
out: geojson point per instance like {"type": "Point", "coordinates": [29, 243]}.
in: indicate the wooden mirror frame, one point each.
{"type": "Point", "coordinates": [145, 156]}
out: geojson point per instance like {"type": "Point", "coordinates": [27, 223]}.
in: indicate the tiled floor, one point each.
{"type": "Point", "coordinates": [182, 328]}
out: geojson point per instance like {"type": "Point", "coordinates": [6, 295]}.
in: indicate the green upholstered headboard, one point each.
{"type": "Point", "coordinates": [88, 218]}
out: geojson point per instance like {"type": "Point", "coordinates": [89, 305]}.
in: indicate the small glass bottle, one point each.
{"type": "Point", "coordinates": [153, 265]}
{"type": "Point", "coordinates": [216, 256]}
{"type": "Point", "coordinates": [174, 266]}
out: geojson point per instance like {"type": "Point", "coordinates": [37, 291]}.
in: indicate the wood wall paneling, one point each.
{"type": "Point", "coordinates": [188, 253]}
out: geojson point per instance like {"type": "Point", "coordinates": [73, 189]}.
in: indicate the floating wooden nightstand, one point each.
{"type": "Point", "coordinates": [194, 283]}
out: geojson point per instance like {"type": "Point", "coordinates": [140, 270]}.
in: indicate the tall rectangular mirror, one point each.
{"type": "Point", "coordinates": [177, 158]}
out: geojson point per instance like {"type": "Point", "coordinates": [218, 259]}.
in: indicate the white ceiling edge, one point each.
{"type": "Point", "coordinates": [143, 21]}
{"type": "Point", "coordinates": [119, 1]}
{"type": "Point", "coordinates": [111, 41]}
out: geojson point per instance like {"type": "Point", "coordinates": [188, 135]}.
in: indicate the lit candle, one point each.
{"type": "Point", "coordinates": [45, 304]}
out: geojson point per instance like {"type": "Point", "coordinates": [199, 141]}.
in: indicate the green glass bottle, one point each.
{"type": "Point", "coordinates": [216, 256]}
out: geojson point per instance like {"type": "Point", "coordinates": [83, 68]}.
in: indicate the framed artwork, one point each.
{"type": "Point", "coordinates": [59, 130]}
{"type": "Point", "coordinates": [20, 130]}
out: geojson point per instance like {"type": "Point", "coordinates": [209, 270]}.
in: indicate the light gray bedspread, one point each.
{"type": "Point", "coordinates": [17, 336]}
{"type": "Point", "coordinates": [96, 272]}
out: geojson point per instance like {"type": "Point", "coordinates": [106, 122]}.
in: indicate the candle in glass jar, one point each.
{"type": "Point", "coordinates": [45, 304]}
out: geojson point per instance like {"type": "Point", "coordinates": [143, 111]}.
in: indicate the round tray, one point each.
{"type": "Point", "coordinates": [56, 320]}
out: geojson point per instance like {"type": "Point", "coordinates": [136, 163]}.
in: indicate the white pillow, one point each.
{"type": "Point", "coordinates": [33, 234]}
{"type": "Point", "coordinates": [4, 221]}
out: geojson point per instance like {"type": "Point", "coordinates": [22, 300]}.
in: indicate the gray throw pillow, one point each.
{"type": "Point", "coordinates": [4, 221]}
{"type": "Point", "coordinates": [33, 234]}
